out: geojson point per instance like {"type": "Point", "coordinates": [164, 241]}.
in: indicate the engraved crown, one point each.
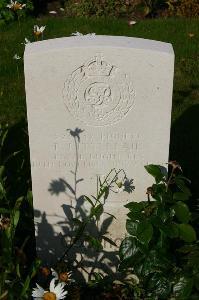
{"type": "Point", "coordinates": [98, 67]}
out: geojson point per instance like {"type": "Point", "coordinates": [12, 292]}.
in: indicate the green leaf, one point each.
{"type": "Point", "coordinates": [182, 212]}
{"type": "Point", "coordinates": [129, 248]}
{"type": "Point", "coordinates": [98, 276]}
{"type": "Point", "coordinates": [155, 262]}
{"type": "Point", "coordinates": [16, 218]}
{"type": "Point", "coordinates": [3, 136]}
{"type": "Point", "coordinates": [156, 171]}
{"type": "Point", "coordinates": [77, 221]}
{"type": "Point", "coordinates": [104, 191]}
{"type": "Point", "coordinates": [167, 196]}
{"type": "Point", "coordinates": [187, 233]}
{"type": "Point", "coordinates": [89, 200]}
{"type": "Point", "coordinates": [171, 230]}
{"type": "Point", "coordinates": [4, 211]}
{"type": "Point", "coordinates": [187, 248]}
{"type": "Point", "coordinates": [180, 196]}
{"type": "Point", "coordinates": [135, 206]}
{"type": "Point", "coordinates": [160, 286]}
{"type": "Point", "coordinates": [18, 203]}
{"type": "Point", "coordinates": [110, 215]}
{"type": "Point", "coordinates": [2, 169]}
{"type": "Point", "coordinates": [97, 211]}
{"type": "Point", "coordinates": [142, 230]}
{"type": "Point", "coordinates": [30, 198]}
{"type": "Point", "coordinates": [196, 282]}
{"type": "Point", "coordinates": [16, 214]}
{"type": "Point", "coordinates": [180, 182]}
{"type": "Point", "coordinates": [132, 227]}
{"type": "Point", "coordinates": [163, 213]}
{"type": "Point", "coordinates": [93, 242]}
{"type": "Point", "coordinates": [136, 209]}
{"type": "Point", "coordinates": [11, 156]}
{"type": "Point", "coordinates": [25, 286]}
{"type": "Point", "coordinates": [2, 190]}
{"type": "Point", "coordinates": [183, 287]}
{"type": "Point", "coordinates": [18, 270]}
{"type": "Point", "coordinates": [135, 216]}
{"type": "Point", "coordinates": [145, 232]}
{"type": "Point", "coordinates": [105, 238]}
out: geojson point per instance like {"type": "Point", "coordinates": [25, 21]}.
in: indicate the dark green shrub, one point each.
{"type": "Point", "coordinates": [161, 248]}
{"type": "Point", "coordinates": [184, 8]}
{"type": "Point", "coordinates": [16, 269]}
{"type": "Point", "coordinates": [150, 8]}
{"type": "Point", "coordinates": [116, 8]}
{"type": "Point", "coordinates": [8, 14]}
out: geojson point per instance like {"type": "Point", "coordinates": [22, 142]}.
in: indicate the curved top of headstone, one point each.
{"type": "Point", "coordinates": [97, 41]}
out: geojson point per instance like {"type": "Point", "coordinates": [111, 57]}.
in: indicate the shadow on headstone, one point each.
{"type": "Point", "coordinates": [80, 256]}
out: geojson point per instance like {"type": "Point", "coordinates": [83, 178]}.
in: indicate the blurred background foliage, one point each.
{"type": "Point", "coordinates": [137, 9]}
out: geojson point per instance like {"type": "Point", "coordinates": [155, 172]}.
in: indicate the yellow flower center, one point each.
{"type": "Point", "coordinates": [63, 276]}
{"type": "Point", "coordinates": [37, 33]}
{"type": "Point", "coordinates": [49, 296]}
{"type": "Point", "coordinates": [119, 184]}
{"type": "Point", "coordinates": [17, 6]}
{"type": "Point", "coordinates": [45, 271]}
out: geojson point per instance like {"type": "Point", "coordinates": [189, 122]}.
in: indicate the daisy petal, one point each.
{"type": "Point", "coordinates": [54, 273]}
{"type": "Point", "coordinates": [63, 295]}
{"type": "Point", "coordinates": [38, 291]}
{"type": "Point", "coordinates": [52, 285]}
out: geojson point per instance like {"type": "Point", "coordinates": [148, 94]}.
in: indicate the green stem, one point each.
{"type": "Point", "coordinates": [17, 71]}
{"type": "Point", "coordinates": [76, 167]}
{"type": "Point", "coordinates": [89, 218]}
{"type": "Point", "coordinates": [19, 23]}
{"type": "Point", "coordinates": [169, 180]}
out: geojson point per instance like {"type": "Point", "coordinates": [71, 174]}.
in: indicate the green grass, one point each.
{"type": "Point", "coordinates": [175, 31]}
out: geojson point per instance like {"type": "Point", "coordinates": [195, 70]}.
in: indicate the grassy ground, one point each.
{"type": "Point", "coordinates": [176, 31]}
{"type": "Point", "coordinates": [182, 33]}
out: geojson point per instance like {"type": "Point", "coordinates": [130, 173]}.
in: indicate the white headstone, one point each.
{"type": "Point", "coordinates": [115, 93]}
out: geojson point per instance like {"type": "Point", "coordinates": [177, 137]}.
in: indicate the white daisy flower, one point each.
{"type": "Point", "coordinates": [14, 5]}
{"type": "Point", "coordinates": [56, 292]}
{"type": "Point", "coordinates": [17, 57]}
{"type": "Point", "coordinates": [38, 30]}
{"type": "Point", "coordinates": [81, 34]}
{"type": "Point", "coordinates": [77, 33]}
{"type": "Point", "coordinates": [53, 12]}
{"type": "Point", "coordinates": [26, 42]}
{"type": "Point", "coordinates": [62, 276]}
{"type": "Point", "coordinates": [132, 22]}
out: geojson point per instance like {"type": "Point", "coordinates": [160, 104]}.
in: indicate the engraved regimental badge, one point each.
{"type": "Point", "coordinates": [98, 94]}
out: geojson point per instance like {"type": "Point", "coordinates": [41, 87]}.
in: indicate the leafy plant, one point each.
{"type": "Point", "coordinates": [7, 14]}
{"type": "Point", "coordinates": [15, 275]}
{"type": "Point", "coordinates": [100, 8]}
{"type": "Point", "coordinates": [183, 8]}
{"type": "Point", "coordinates": [150, 8]}
{"type": "Point", "coordinates": [161, 248]}
{"type": "Point", "coordinates": [82, 226]}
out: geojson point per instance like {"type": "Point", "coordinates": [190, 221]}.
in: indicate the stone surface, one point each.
{"type": "Point", "coordinates": [93, 103]}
